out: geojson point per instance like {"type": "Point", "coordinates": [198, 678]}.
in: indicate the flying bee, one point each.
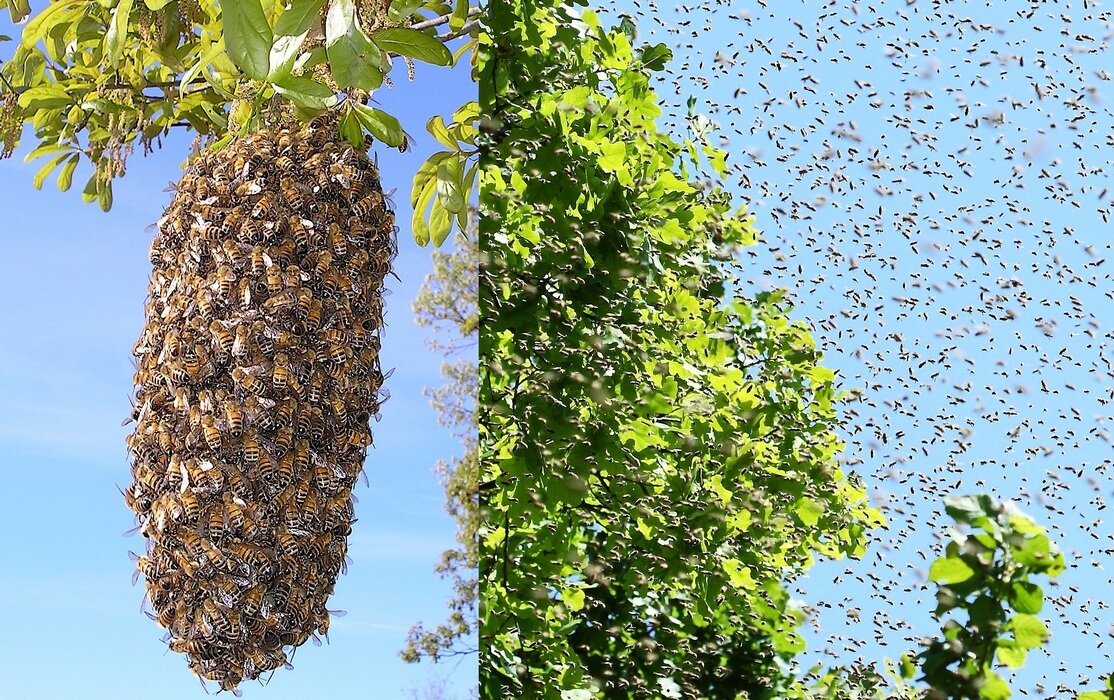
{"type": "Point", "coordinates": [407, 141]}
{"type": "Point", "coordinates": [222, 338]}
{"type": "Point", "coordinates": [233, 416]}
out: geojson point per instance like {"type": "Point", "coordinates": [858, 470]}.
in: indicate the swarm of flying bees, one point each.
{"type": "Point", "coordinates": [257, 374]}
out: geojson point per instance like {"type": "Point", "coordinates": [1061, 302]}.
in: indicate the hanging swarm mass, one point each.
{"type": "Point", "coordinates": [257, 375]}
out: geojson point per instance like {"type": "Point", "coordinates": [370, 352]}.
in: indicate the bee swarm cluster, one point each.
{"type": "Point", "coordinates": [257, 375]}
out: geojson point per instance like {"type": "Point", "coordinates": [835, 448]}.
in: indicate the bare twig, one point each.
{"type": "Point", "coordinates": [443, 19]}
{"type": "Point", "coordinates": [460, 32]}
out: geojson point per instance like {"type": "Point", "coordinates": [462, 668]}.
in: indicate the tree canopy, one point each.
{"type": "Point", "coordinates": [656, 441]}
{"type": "Point", "coordinates": [97, 78]}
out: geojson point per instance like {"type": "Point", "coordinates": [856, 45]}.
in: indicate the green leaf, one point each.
{"type": "Point", "coordinates": [351, 130]}
{"type": "Point", "coordinates": [966, 509]}
{"type": "Point", "coordinates": [284, 53]}
{"type": "Point", "coordinates": [1010, 654]}
{"type": "Point", "coordinates": [950, 570]}
{"type": "Point", "coordinates": [613, 156]}
{"type": "Point", "coordinates": [436, 127]}
{"type": "Point", "coordinates": [19, 9]}
{"type": "Point", "coordinates": [117, 32]}
{"type": "Point", "coordinates": [299, 18]}
{"type": "Point", "coordinates": [306, 92]}
{"type": "Point", "coordinates": [156, 5]}
{"type": "Point", "coordinates": [460, 15]}
{"type": "Point", "coordinates": [48, 169]}
{"type": "Point", "coordinates": [45, 149]}
{"type": "Point", "coordinates": [353, 59]}
{"type": "Point", "coordinates": [418, 222]}
{"type": "Point", "coordinates": [574, 598]}
{"type": "Point", "coordinates": [1093, 695]}
{"type": "Point", "coordinates": [809, 511]}
{"type": "Point", "coordinates": [104, 197]}
{"type": "Point", "coordinates": [440, 223]}
{"type": "Point", "coordinates": [417, 45]}
{"type": "Point", "coordinates": [1026, 597]}
{"type": "Point", "coordinates": [65, 177]}
{"type": "Point", "coordinates": [656, 57]}
{"type": "Point", "coordinates": [401, 9]}
{"type": "Point", "coordinates": [50, 16]}
{"type": "Point", "coordinates": [248, 37]}
{"type": "Point", "coordinates": [993, 687]}
{"type": "Point", "coordinates": [449, 190]}
{"type": "Point", "coordinates": [1028, 630]}
{"type": "Point", "coordinates": [738, 574]}
{"type": "Point", "coordinates": [381, 125]}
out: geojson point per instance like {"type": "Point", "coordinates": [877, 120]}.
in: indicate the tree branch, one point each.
{"type": "Point", "coordinates": [461, 32]}
{"type": "Point", "coordinates": [443, 19]}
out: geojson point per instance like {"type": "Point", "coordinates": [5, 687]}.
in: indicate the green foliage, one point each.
{"type": "Point", "coordinates": [986, 574]}
{"type": "Point", "coordinates": [656, 452]}
{"type": "Point", "coordinates": [96, 78]}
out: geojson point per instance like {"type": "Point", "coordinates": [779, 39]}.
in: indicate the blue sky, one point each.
{"type": "Point", "coordinates": [75, 280]}
{"type": "Point", "coordinates": [932, 181]}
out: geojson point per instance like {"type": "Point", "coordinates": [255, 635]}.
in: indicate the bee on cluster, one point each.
{"type": "Point", "coordinates": [256, 375]}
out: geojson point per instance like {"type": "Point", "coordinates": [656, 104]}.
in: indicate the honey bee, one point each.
{"type": "Point", "coordinates": [283, 254]}
{"type": "Point", "coordinates": [189, 505]}
{"type": "Point", "coordinates": [212, 434]}
{"type": "Point", "coordinates": [275, 283]}
{"type": "Point", "coordinates": [238, 518]}
{"type": "Point", "coordinates": [310, 508]}
{"type": "Point", "coordinates": [284, 413]}
{"type": "Point", "coordinates": [222, 338]}
{"type": "Point", "coordinates": [296, 198]}
{"type": "Point", "coordinates": [288, 544]}
{"type": "Point", "coordinates": [241, 346]}
{"type": "Point", "coordinates": [339, 407]}
{"type": "Point", "coordinates": [286, 467]}
{"type": "Point", "coordinates": [280, 301]}
{"type": "Point", "coordinates": [300, 232]}
{"type": "Point", "coordinates": [233, 416]}
{"type": "Point", "coordinates": [284, 438]}
{"type": "Point", "coordinates": [336, 240]}
{"type": "Point", "coordinates": [264, 207]}
{"type": "Point", "coordinates": [316, 390]}
{"type": "Point", "coordinates": [205, 303]}
{"type": "Point", "coordinates": [368, 204]}
{"type": "Point", "coordinates": [285, 164]}
{"type": "Point", "coordinates": [315, 546]}
{"type": "Point", "coordinates": [251, 231]}
{"type": "Point", "coordinates": [253, 599]}
{"type": "Point", "coordinates": [239, 485]}
{"type": "Point", "coordinates": [245, 377]}
{"type": "Point", "coordinates": [215, 523]}
{"type": "Point", "coordinates": [305, 302]}
{"type": "Point", "coordinates": [249, 188]}
{"type": "Point", "coordinates": [258, 260]}
{"type": "Point", "coordinates": [231, 222]}
{"type": "Point", "coordinates": [226, 280]}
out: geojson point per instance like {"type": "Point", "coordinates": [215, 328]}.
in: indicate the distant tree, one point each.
{"type": "Point", "coordinates": [447, 304]}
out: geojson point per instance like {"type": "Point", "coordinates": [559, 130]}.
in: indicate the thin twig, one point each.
{"type": "Point", "coordinates": [460, 32]}
{"type": "Point", "coordinates": [443, 19]}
